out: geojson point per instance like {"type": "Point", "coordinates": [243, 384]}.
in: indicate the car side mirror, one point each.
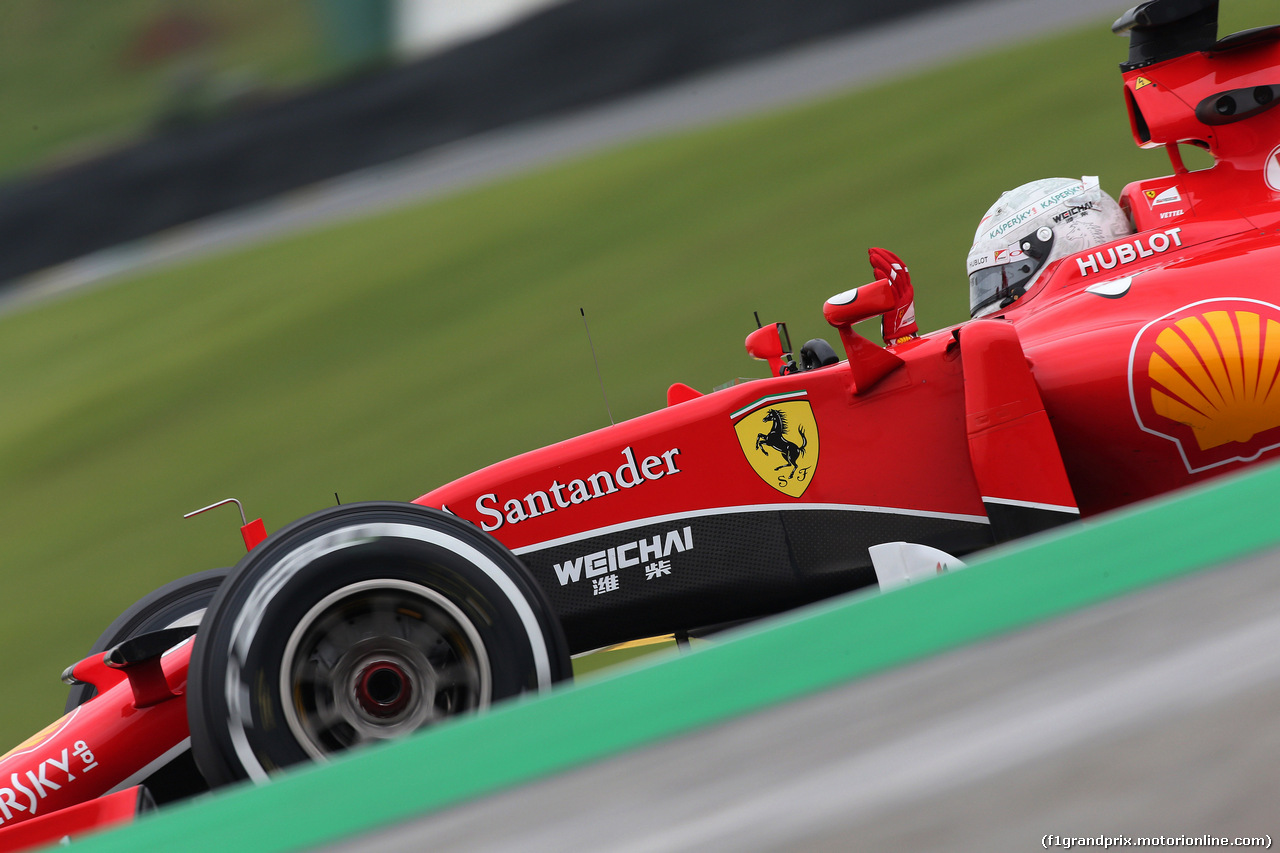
{"type": "Point", "coordinates": [868, 363]}
{"type": "Point", "coordinates": [771, 343]}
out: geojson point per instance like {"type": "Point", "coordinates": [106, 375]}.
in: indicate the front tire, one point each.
{"type": "Point", "coordinates": [358, 624]}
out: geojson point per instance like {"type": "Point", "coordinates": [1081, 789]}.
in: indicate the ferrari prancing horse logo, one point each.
{"type": "Point", "coordinates": [779, 437]}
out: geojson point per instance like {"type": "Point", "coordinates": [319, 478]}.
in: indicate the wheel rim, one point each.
{"type": "Point", "coordinates": [377, 660]}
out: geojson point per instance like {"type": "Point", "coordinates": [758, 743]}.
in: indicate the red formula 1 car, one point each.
{"type": "Point", "coordinates": [1124, 371]}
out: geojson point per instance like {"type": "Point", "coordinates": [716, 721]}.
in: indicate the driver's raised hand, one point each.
{"type": "Point", "coordinates": [899, 324]}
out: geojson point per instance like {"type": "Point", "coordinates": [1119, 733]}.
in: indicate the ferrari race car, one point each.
{"type": "Point", "coordinates": [1124, 371]}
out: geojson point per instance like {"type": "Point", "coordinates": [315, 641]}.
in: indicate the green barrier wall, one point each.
{"type": "Point", "coordinates": [800, 653]}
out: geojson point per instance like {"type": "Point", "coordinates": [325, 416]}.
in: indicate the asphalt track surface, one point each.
{"type": "Point", "coordinates": [803, 74]}
{"type": "Point", "coordinates": [1150, 715]}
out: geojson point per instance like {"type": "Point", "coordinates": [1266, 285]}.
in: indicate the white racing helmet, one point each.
{"type": "Point", "coordinates": [1028, 228]}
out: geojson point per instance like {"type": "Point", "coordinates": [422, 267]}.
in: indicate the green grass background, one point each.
{"type": "Point", "coordinates": [382, 358]}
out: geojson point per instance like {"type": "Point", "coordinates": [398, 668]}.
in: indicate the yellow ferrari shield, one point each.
{"type": "Point", "coordinates": [779, 437]}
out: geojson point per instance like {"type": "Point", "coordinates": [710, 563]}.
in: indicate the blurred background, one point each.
{"type": "Point", "coordinates": [283, 249]}
{"type": "Point", "coordinates": [130, 118]}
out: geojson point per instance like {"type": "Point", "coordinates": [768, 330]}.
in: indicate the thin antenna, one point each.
{"type": "Point", "coordinates": [759, 325]}
{"type": "Point", "coordinates": [337, 499]}
{"type": "Point", "coordinates": [597, 361]}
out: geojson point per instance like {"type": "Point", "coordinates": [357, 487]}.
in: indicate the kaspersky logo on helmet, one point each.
{"type": "Point", "coordinates": [1033, 210]}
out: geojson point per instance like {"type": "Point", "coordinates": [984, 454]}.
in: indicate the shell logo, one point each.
{"type": "Point", "coordinates": [1207, 377]}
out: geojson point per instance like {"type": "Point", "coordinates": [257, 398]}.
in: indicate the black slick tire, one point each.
{"type": "Point", "coordinates": [362, 623]}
